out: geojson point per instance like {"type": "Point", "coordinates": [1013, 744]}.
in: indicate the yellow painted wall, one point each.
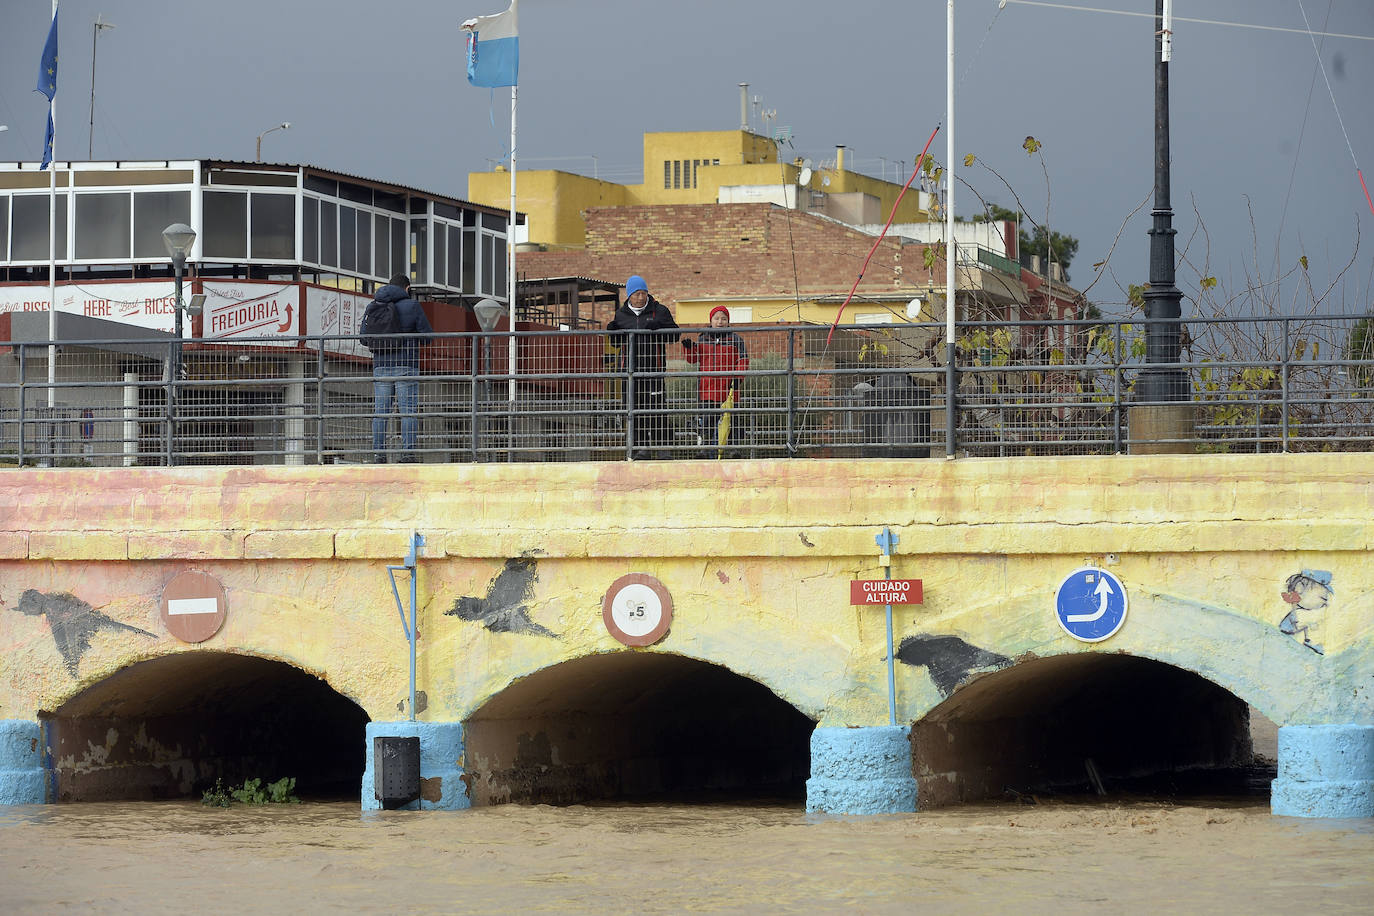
{"type": "Point", "coordinates": [554, 200]}
{"type": "Point", "coordinates": [757, 556]}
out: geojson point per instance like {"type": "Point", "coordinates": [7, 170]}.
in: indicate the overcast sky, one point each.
{"type": "Point", "coordinates": [378, 89]}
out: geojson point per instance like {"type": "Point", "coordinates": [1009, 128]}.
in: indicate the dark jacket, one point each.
{"type": "Point", "coordinates": [648, 348]}
{"type": "Point", "coordinates": [413, 321]}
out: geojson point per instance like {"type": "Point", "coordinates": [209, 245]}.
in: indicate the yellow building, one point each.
{"type": "Point", "coordinates": [697, 167]}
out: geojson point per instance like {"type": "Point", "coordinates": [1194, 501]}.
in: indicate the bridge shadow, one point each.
{"type": "Point", "coordinates": [171, 726]}
{"type": "Point", "coordinates": [1087, 724]}
{"type": "Point", "coordinates": [634, 726]}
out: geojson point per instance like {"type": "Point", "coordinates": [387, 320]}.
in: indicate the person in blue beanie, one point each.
{"type": "Point", "coordinates": [649, 328]}
{"type": "Point", "coordinates": [392, 362]}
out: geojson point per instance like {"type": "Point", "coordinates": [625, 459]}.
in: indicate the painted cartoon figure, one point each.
{"type": "Point", "coordinates": [1308, 592]}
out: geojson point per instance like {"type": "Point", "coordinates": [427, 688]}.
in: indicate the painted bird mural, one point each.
{"type": "Point", "coordinates": [72, 621]}
{"type": "Point", "coordinates": [948, 659]}
{"type": "Point", "coordinates": [505, 608]}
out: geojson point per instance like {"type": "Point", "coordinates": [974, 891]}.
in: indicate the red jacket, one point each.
{"type": "Point", "coordinates": [718, 351]}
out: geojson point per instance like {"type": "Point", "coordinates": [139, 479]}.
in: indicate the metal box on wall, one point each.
{"type": "Point", "coordinates": [396, 770]}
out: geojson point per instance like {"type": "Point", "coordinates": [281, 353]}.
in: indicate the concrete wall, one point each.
{"type": "Point", "coordinates": [757, 556]}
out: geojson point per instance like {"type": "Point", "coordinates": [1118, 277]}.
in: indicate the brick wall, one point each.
{"type": "Point", "coordinates": [757, 250]}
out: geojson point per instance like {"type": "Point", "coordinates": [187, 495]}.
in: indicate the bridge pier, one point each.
{"type": "Point", "coordinates": [441, 764]}
{"type": "Point", "coordinates": [861, 771]}
{"type": "Point", "coordinates": [23, 780]}
{"type": "Point", "coordinates": [1325, 771]}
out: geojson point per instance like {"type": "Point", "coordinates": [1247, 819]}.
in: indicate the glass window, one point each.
{"type": "Point", "coordinates": [310, 230]}
{"type": "Point", "coordinates": [469, 218]}
{"type": "Point", "coordinates": [364, 243]}
{"type": "Point", "coordinates": [381, 245]}
{"type": "Point", "coordinates": [667, 174]}
{"type": "Point", "coordinates": [102, 226]}
{"type": "Point", "coordinates": [469, 261]}
{"type": "Point", "coordinates": [419, 228]}
{"type": "Point", "coordinates": [455, 256]}
{"type": "Point", "coordinates": [677, 173]}
{"type": "Point", "coordinates": [400, 248]}
{"type": "Point", "coordinates": [329, 234]}
{"type": "Point", "coordinates": [274, 226]}
{"type": "Point", "coordinates": [226, 225]}
{"type": "Point", "coordinates": [496, 222]}
{"type": "Point", "coordinates": [486, 281]}
{"type": "Point", "coordinates": [348, 239]}
{"type": "Point", "coordinates": [359, 194]}
{"type": "Point", "coordinates": [447, 211]}
{"type": "Point", "coordinates": [4, 227]}
{"type": "Point", "coordinates": [30, 242]}
{"type": "Point", "coordinates": [499, 264]}
{"type": "Point", "coordinates": [384, 200]}
{"type": "Point", "coordinates": [321, 185]}
{"type": "Point", "coordinates": [153, 212]}
{"type": "Point", "coordinates": [439, 275]}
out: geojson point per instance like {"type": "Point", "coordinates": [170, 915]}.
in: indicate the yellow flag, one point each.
{"type": "Point", "coordinates": [723, 432]}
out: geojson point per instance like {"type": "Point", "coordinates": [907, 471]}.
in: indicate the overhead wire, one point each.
{"type": "Point", "coordinates": [1358, 173]}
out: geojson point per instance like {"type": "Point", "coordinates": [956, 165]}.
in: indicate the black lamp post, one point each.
{"type": "Point", "coordinates": [1162, 299]}
{"type": "Point", "coordinates": [178, 238]}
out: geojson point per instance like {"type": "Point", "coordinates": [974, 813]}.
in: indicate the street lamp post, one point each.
{"type": "Point", "coordinates": [1159, 391]}
{"type": "Point", "coordinates": [284, 125]}
{"type": "Point", "coordinates": [178, 238]}
{"type": "Point", "coordinates": [97, 28]}
{"type": "Point", "coordinates": [489, 313]}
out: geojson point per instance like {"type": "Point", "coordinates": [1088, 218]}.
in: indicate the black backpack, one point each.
{"type": "Point", "coordinates": [379, 319]}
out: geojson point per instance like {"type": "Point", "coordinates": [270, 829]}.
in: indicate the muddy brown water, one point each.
{"type": "Point", "coordinates": [1058, 856]}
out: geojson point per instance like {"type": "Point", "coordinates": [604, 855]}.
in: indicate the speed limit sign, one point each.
{"type": "Point", "coordinates": [637, 609]}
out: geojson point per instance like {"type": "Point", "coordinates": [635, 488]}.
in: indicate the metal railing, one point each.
{"type": "Point", "coordinates": [1022, 388]}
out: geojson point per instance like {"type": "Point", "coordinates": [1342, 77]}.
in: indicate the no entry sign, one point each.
{"type": "Point", "coordinates": [193, 606]}
{"type": "Point", "coordinates": [885, 591]}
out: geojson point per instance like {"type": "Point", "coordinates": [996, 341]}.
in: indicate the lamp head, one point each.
{"type": "Point", "coordinates": [178, 238]}
{"type": "Point", "coordinates": [489, 313]}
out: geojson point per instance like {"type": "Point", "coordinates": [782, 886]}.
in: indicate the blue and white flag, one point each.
{"type": "Point", "coordinates": [47, 84]}
{"type": "Point", "coordinates": [493, 49]}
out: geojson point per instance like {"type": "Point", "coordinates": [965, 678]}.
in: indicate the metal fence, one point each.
{"type": "Point", "coordinates": [1020, 388]}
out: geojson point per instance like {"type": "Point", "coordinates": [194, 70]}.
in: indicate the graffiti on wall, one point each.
{"type": "Point", "coordinates": [1307, 594]}
{"type": "Point", "coordinates": [505, 609]}
{"type": "Point", "coordinates": [948, 659]}
{"type": "Point", "coordinates": [73, 622]}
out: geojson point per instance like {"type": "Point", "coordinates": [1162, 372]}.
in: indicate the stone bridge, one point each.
{"type": "Point", "coordinates": [162, 628]}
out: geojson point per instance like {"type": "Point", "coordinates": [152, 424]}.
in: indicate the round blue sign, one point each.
{"type": "Point", "coordinates": [1090, 604]}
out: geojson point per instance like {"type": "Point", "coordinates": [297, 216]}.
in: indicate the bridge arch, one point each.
{"type": "Point", "coordinates": [1078, 722]}
{"type": "Point", "coordinates": [631, 725]}
{"type": "Point", "coordinates": [170, 726]}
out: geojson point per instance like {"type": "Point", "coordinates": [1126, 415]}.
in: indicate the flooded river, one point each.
{"type": "Point", "coordinates": [178, 857]}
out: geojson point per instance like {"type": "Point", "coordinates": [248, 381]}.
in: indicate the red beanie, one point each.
{"type": "Point", "coordinates": [719, 308]}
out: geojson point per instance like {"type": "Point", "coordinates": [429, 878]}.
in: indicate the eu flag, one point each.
{"type": "Point", "coordinates": [47, 84]}
{"type": "Point", "coordinates": [47, 70]}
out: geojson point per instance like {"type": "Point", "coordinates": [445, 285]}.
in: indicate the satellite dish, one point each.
{"type": "Point", "coordinates": [913, 309]}
{"type": "Point", "coordinates": [806, 163]}
{"type": "Point", "coordinates": [805, 177]}
{"type": "Point", "coordinates": [826, 181]}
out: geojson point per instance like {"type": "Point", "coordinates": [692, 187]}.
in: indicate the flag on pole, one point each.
{"type": "Point", "coordinates": [493, 49]}
{"type": "Point", "coordinates": [47, 84]}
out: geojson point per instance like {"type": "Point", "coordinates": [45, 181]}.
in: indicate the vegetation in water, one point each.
{"type": "Point", "coordinates": [252, 792]}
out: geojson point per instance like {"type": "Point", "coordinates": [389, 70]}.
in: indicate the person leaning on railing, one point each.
{"type": "Point", "coordinates": [718, 350]}
{"type": "Point", "coordinates": [391, 362]}
{"type": "Point", "coordinates": [647, 363]}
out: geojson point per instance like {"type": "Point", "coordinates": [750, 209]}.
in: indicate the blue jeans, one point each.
{"type": "Point", "coordinates": [385, 384]}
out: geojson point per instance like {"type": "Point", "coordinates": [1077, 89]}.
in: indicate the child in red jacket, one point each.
{"type": "Point", "coordinates": [718, 351]}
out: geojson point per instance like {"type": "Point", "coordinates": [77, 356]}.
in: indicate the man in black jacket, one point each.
{"type": "Point", "coordinates": [646, 362]}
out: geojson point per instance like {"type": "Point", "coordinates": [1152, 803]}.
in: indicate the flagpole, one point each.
{"type": "Point", "coordinates": [510, 252]}
{"type": "Point", "coordinates": [951, 249]}
{"type": "Point", "coordinates": [52, 249]}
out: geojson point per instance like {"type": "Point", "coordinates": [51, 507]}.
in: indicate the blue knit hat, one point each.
{"type": "Point", "coordinates": [634, 285]}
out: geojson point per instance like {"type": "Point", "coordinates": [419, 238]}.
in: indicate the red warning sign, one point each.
{"type": "Point", "coordinates": [885, 591]}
